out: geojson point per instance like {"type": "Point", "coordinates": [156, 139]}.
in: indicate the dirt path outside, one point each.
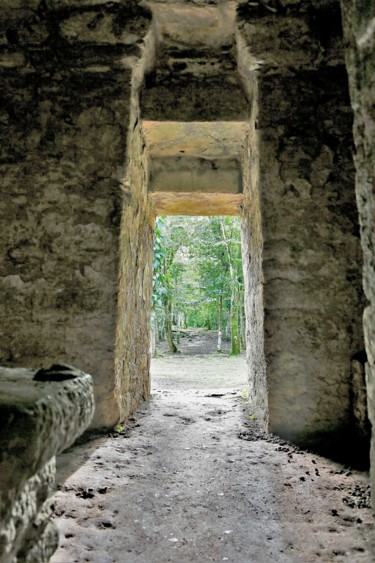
{"type": "Point", "coordinates": [190, 480]}
{"type": "Point", "coordinates": [198, 341]}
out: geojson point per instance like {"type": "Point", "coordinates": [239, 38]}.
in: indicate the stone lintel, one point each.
{"type": "Point", "coordinates": [193, 98]}
{"type": "Point", "coordinates": [169, 203]}
{"type": "Point", "coordinates": [181, 174]}
{"type": "Point", "coordinates": [205, 24]}
{"type": "Point", "coordinates": [211, 139]}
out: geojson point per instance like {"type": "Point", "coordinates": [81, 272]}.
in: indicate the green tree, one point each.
{"type": "Point", "coordinates": [198, 279]}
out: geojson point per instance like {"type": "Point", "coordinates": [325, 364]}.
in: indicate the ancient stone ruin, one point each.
{"type": "Point", "coordinates": [42, 412]}
{"type": "Point", "coordinates": [115, 111]}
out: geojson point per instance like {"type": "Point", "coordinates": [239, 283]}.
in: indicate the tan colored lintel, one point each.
{"type": "Point", "coordinates": [187, 203]}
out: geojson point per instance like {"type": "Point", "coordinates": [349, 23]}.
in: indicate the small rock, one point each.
{"type": "Point", "coordinates": [106, 524]}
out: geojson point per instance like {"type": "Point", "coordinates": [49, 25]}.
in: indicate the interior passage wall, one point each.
{"type": "Point", "coordinates": [311, 254]}
{"type": "Point", "coordinates": [65, 89]}
{"type": "Point", "coordinates": [252, 263]}
{"type": "Point", "coordinates": [358, 18]}
{"type": "Point", "coordinates": [135, 282]}
{"type": "Point", "coordinates": [311, 257]}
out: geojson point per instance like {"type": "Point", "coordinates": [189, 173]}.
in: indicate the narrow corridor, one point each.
{"type": "Point", "coordinates": [188, 480]}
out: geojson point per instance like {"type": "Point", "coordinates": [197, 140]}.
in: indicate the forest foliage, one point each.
{"type": "Point", "coordinates": [198, 279]}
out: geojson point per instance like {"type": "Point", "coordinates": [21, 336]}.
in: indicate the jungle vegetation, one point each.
{"type": "Point", "coordinates": [198, 279]}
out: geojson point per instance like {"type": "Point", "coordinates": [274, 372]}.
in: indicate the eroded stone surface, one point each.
{"type": "Point", "coordinates": [359, 26]}
{"type": "Point", "coordinates": [220, 139]}
{"type": "Point", "coordinates": [252, 263]}
{"type": "Point", "coordinates": [135, 281]}
{"type": "Point", "coordinates": [66, 69]}
{"type": "Point", "coordinates": [39, 418]}
{"type": "Point", "coordinates": [188, 203]}
{"type": "Point", "coordinates": [27, 534]}
{"type": "Point", "coordinates": [187, 174]}
{"type": "Point", "coordinates": [195, 74]}
{"type": "Point", "coordinates": [192, 160]}
{"type": "Point", "coordinates": [311, 263]}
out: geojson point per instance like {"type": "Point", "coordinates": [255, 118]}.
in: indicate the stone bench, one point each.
{"type": "Point", "coordinates": [41, 413]}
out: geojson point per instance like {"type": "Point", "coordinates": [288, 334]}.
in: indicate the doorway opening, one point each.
{"type": "Point", "coordinates": [198, 326]}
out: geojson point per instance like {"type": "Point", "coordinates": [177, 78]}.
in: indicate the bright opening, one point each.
{"type": "Point", "coordinates": [198, 319]}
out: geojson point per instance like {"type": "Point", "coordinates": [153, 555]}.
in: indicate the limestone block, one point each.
{"type": "Point", "coordinates": [88, 27]}
{"type": "Point", "coordinates": [41, 412]}
{"type": "Point", "coordinates": [291, 44]}
{"type": "Point", "coordinates": [199, 203]}
{"type": "Point", "coordinates": [39, 419]}
{"type": "Point", "coordinates": [215, 139]}
{"type": "Point", "coordinates": [63, 130]}
{"type": "Point", "coordinates": [135, 283]}
{"type": "Point", "coordinates": [11, 60]}
{"type": "Point", "coordinates": [189, 98]}
{"type": "Point", "coordinates": [26, 531]}
{"type": "Point", "coordinates": [189, 174]}
{"type": "Point", "coordinates": [12, 11]}
{"type": "Point", "coordinates": [359, 396]}
{"type": "Point", "coordinates": [252, 260]}
{"type": "Point", "coordinates": [195, 23]}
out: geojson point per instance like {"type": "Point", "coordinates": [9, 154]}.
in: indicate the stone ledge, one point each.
{"type": "Point", "coordinates": [38, 420]}
{"type": "Point", "coordinates": [41, 413]}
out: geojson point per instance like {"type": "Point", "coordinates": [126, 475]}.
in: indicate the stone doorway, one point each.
{"type": "Point", "coordinates": [81, 80]}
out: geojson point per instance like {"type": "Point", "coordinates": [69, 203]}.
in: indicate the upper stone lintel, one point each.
{"type": "Point", "coordinates": [211, 139]}
{"type": "Point", "coordinates": [208, 23]}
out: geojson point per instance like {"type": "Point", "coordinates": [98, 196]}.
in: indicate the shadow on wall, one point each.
{"type": "Point", "coordinates": [349, 444]}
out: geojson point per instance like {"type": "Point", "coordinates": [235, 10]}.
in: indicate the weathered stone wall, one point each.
{"type": "Point", "coordinates": [252, 263]}
{"type": "Point", "coordinates": [135, 282]}
{"type": "Point", "coordinates": [66, 69]}
{"type": "Point", "coordinates": [359, 27]}
{"type": "Point", "coordinates": [311, 255]}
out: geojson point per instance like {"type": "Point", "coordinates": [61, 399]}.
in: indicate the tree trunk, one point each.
{"type": "Point", "coordinates": [156, 328]}
{"type": "Point", "coordinates": [162, 328]}
{"type": "Point", "coordinates": [168, 327]}
{"type": "Point", "coordinates": [220, 324]}
{"type": "Point", "coordinates": [227, 324]}
{"type": "Point", "coordinates": [178, 328]}
{"type": "Point", "coordinates": [234, 332]}
{"type": "Point", "coordinates": [153, 335]}
{"type": "Point", "coordinates": [242, 324]}
{"type": "Point", "coordinates": [235, 338]}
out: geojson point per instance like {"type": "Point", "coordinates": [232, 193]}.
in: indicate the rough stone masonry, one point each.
{"type": "Point", "coordinates": [79, 78]}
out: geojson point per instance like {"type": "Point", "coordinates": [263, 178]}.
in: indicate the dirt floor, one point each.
{"type": "Point", "coordinates": [190, 479]}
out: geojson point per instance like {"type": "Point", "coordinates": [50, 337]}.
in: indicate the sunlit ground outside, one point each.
{"type": "Point", "coordinates": [198, 315]}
